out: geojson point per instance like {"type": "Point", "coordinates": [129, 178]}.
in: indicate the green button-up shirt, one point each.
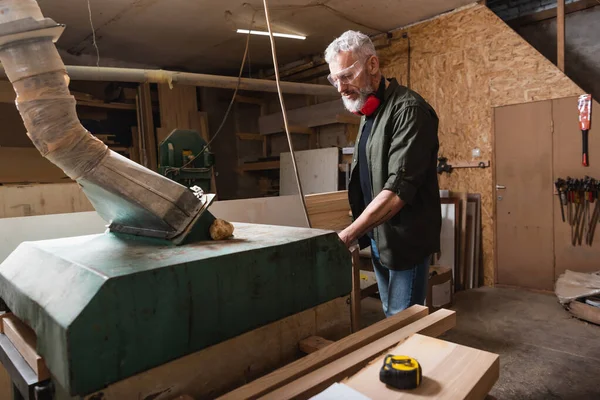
{"type": "Point", "coordinates": [402, 153]}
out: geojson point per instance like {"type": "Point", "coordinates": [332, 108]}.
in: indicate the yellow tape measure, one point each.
{"type": "Point", "coordinates": [401, 372]}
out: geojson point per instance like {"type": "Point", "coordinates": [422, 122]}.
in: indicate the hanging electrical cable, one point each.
{"type": "Point", "coordinates": [283, 112]}
{"type": "Point", "coordinates": [207, 146]}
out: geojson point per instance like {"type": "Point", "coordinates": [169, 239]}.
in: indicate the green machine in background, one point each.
{"type": "Point", "coordinates": [184, 158]}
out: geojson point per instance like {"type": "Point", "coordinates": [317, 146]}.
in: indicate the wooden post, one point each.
{"type": "Point", "coordinates": [560, 35]}
{"type": "Point", "coordinates": [355, 295]}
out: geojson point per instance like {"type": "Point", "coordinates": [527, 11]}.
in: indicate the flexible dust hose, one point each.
{"type": "Point", "coordinates": [48, 109]}
{"type": "Point", "coordinates": [131, 198]}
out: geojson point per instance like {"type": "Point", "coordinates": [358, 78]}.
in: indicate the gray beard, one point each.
{"type": "Point", "coordinates": [356, 105]}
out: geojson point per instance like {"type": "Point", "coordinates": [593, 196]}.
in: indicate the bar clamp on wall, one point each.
{"type": "Point", "coordinates": [443, 165]}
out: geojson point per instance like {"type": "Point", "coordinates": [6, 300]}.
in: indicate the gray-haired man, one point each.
{"type": "Point", "coordinates": [393, 189]}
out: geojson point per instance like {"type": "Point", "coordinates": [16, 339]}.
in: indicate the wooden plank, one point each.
{"type": "Point", "coordinates": [585, 312]}
{"type": "Point", "coordinates": [6, 384]}
{"type": "Point", "coordinates": [448, 238]}
{"type": "Point", "coordinates": [176, 104]}
{"type": "Point", "coordinates": [99, 104]}
{"type": "Point", "coordinates": [250, 100]}
{"type": "Point", "coordinates": [27, 165]}
{"type": "Point", "coordinates": [471, 219]}
{"type": "Point", "coordinates": [560, 34]}
{"type": "Point", "coordinates": [162, 133]}
{"type": "Point", "coordinates": [355, 295]}
{"type": "Point", "coordinates": [335, 351]}
{"type": "Point", "coordinates": [450, 372]}
{"type": "Point", "coordinates": [311, 116]}
{"type": "Point", "coordinates": [274, 210]}
{"type": "Point", "coordinates": [23, 338]}
{"type": "Point", "coordinates": [329, 210]}
{"type": "Point", "coordinates": [210, 372]}
{"type": "Point", "coordinates": [335, 221]}
{"type": "Point", "coordinates": [259, 166]}
{"type": "Point", "coordinates": [318, 170]}
{"type": "Point", "coordinates": [313, 343]}
{"type": "Point", "coordinates": [462, 251]}
{"type": "Point", "coordinates": [250, 136]}
{"type": "Point", "coordinates": [476, 199]}
{"type": "Point", "coordinates": [42, 199]}
{"type": "Point", "coordinates": [318, 379]}
{"type": "Point", "coordinates": [149, 148]}
{"type": "Point", "coordinates": [135, 145]}
{"type": "Point", "coordinates": [350, 119]}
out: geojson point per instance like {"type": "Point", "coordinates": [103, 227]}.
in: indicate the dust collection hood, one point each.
{"type": "Point", "coordinates": [131, 198]}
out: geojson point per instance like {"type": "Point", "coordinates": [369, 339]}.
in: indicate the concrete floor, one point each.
{"type": "Point", "coordinates": [544, 352]}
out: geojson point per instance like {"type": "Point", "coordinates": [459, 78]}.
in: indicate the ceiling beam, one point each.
{"type": "Point", "coordinates": [551, 13]}
{"type": "Point", "coordinates": [560, 35]}
{"type": "Point", "coordinates": [186, 78]}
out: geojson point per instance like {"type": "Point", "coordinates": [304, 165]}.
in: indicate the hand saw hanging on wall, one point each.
{"type": "Point", "coordinates": [585, 116]}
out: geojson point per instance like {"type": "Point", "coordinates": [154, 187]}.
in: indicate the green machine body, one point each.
{"type": "Point", "coordinates": [184, 157]}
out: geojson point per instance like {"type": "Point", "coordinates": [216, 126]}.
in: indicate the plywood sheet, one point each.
{"type": "Point", "coordinates": [567, 162]}
{"type": "Point", "coordinates": [311, 116]}
{"type": "Point", "coordinates": [278, 210]}
{"type": "Point", "coordinates": [471, 244]}
{"type": "Point", "coordinates": [149, 148]}
{"type": "Point", "coordinates": [477, 273]}
{"type": "Point", "coordinates": [524, 208]}
{"type": "Point", "coordinates": [450, 371]}
{"type": "Point", "coordinates": [318, 170]}
{"type": "Point", "coordinates": [27, 165]}
{"type": "Point", "coordinates": [176, 104]}
{"type": "Point", "coordinates": [14, 231]}
{"type": "Point", "coordinates": [448, 238]}
{"type": "Point", "coordinates": [42, 199]}
{"type": "Point", "coordinates": [464, 63]}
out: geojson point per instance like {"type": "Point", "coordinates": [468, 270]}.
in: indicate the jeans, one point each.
{"type": "Point", "coordinates": [399, 290]}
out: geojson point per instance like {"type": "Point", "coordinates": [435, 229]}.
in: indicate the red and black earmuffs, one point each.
{"type": "Point", "coordinates": [373, 101]}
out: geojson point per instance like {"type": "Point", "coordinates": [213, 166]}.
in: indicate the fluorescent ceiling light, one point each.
{"type": "Point", "coordinates": [263, 33]}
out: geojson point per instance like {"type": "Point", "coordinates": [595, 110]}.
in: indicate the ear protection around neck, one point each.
{"type": "Point", "coordinates": [373, 101]}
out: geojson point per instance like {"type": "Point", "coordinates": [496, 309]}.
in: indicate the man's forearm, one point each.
{"type": "Point", "coordinates": [383, 207]}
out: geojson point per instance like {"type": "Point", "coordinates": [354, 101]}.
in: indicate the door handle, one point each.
{"type": "Point", "coordinates": [498, 187]}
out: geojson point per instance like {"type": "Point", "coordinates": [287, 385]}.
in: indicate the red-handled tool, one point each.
{"type": "Point", "coordinates": [585, 115]}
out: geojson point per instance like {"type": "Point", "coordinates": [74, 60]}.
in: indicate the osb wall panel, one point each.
{"type": "Point", "coordinates": [464, 63]}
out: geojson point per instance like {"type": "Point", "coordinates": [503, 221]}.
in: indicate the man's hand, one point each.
{"type": "Point", "coordinates": [345, 237]}
{"type": "Point", "coordinates": [383, 207]}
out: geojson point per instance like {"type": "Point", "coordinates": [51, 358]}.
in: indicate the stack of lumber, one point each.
{"type": "Point", "coordinates": [329, 210]}
{"type": "Point", "coordinates": [472, 376]}
{"type": "Point", "coordinates": [461, 238]}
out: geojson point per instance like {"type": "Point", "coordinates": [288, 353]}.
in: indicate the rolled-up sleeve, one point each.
{"type": "Point", "coordinates": [412, 145]}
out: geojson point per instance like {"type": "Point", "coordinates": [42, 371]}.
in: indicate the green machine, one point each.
{"type": "Point", "coordinates": [184, 157]}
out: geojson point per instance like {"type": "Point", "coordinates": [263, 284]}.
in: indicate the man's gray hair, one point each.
{"type": "Point", "coordinates": [354, 41]}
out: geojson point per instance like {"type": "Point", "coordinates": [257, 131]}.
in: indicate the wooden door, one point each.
{"type": "Point", "coordinates": [524, 195]}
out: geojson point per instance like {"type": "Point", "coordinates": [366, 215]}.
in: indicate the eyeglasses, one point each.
{"type": "Point", "coordinates": [346, 75]}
